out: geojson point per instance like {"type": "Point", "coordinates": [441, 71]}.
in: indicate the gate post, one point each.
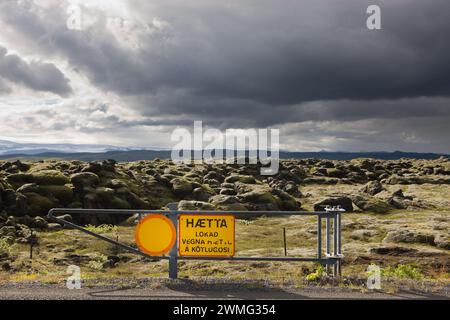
{"type": "Point", "coordinates": [173, 254]}
{"type": "Point", "coordinates": [339, 243]}
{"type": "Point", "coordinates": [328, 245]}
{"type": "Point", "coordinates": [319, 236]}
{"type": "Point", "coordinates": [337, 237]}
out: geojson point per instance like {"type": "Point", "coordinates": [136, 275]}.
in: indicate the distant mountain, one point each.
{"type": "Point", "coordinates": [353, 155]}
{"type": "Point", "coordinates": [121, 156]}
{"type": "Point", "coordinates": [135, 155]}
{"type": "Point", "coordinates": [9, 148]}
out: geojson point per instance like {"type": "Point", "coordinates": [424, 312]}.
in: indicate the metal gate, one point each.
{"type": "Point", "coordinates": [332, 215]}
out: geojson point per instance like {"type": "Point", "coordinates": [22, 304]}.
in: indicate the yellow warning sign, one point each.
{"type": "Point", "coordinates": [206, 235]}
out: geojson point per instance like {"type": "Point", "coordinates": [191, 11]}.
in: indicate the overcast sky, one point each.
{"type": "Point", "coordinates": [139, 69]}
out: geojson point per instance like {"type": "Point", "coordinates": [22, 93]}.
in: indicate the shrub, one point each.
{"type": "Point", "coordinates": [316, 275]}
{"type": "Point", "coordinates": [402, 271]}
{"type": "Point", "coordinates": [97, 262]}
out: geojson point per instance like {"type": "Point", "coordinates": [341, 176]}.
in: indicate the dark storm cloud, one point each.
{"type": "Point", "coordinates": [263, 54]}
{"type": "Point", "coordinates": [425, 134]}
{"type": "Point", "coordinates": [226, 113]}
{"type": "Point", "coordinates": [34, 75]}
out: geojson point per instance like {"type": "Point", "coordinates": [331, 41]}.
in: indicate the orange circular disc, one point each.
{"type": "Point", "coordinates": [155, 234]}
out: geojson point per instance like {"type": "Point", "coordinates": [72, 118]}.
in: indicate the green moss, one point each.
{"type": "Point", "coordinates": [208, 188]}
{"type": "Point", "coordinates": [38, 205]}
{"type": "Point", "coordinates": [181, 187]}
{"type": "Point", "coordinates": [160, 201]}
{"type": "Point", "coordinates": [104, 194]}
{"type": "Point", "coordinates": [240, 178]}
{"type": "Point", "coordinates": [334, 172]}
{"type": "Point", "coordinates": [289, 205]}
{"type": "Point", "coordinates": [259, 197]}
{"type": "Point", "coordinates": [63, 193]}
{"type": "Point", "coordinates": [317, 171]}
{"type": "Point", "coordinates": [84, 179]}
{"type": "Point", "coordinates": [106, 175]}
{"type": "Point", "coordinates": [16, 180]}
{"type": "Point", "coordinates": [51, 177]}
{"type": "Point", "coordinates": [158, 195]}
{"type": "Point", "coordinates": [118, 203]}
{"type": "Point", "coordinates": [232, 207]}
{"type": "Point", "coordinates": [4, 185]}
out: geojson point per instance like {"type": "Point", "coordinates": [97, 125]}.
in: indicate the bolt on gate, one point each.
{"type": "Point", "coordinates": [332, 215]}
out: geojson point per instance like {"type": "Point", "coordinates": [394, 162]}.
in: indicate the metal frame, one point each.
{"type": "Point", "coordinates": [331, 214]}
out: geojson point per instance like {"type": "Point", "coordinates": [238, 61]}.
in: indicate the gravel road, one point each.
{"type": "Point", "coordinates": [49, 292]}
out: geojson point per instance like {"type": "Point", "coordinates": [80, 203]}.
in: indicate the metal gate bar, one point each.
{"type": "Point", "coordinates": [173, 257]}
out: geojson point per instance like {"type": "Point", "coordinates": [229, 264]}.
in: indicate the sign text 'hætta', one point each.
{"type": "Point", "coordinates": [206, 235]}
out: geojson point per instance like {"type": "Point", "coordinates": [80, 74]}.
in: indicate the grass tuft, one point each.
{"type": "Point", "coordinates": [104, 228]}
{"type": "Point", "coordinates": [5, 247]}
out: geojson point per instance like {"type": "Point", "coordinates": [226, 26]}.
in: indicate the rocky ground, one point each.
{"type": "Point", "coordinates": [397, 217]}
